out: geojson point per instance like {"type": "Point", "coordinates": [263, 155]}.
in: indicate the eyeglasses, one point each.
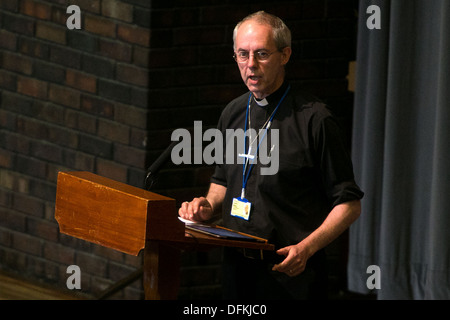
{"type": "Point", "coordinates": [260, 55]}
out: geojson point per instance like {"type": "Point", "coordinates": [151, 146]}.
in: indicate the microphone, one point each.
{"type": "Point", "coordinates": [150, 179]}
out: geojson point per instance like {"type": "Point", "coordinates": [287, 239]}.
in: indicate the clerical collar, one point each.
{"type": "Point", "coordinates": [262, 102]}
{"type": "Point", "coordinates": [275, 96]}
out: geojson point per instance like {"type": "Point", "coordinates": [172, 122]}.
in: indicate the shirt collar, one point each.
{"type": "Point", "coordinates": [272, 98]}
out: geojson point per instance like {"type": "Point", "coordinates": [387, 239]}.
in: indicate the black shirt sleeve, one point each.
{"type": "Point", "coordinates": [335, 162]}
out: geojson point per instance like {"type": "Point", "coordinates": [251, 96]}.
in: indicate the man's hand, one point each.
{"type": "Point", "coordinates": [202, 209]}
{"type": "Point", "coordinates": [295, 262]}
{"type": "Point", "coordinates": [337, 221]}
{"type": "Point", "coordinates": [197, 210]}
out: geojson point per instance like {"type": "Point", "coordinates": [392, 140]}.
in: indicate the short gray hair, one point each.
{"type": "Point", "coordinates": [281, 33]}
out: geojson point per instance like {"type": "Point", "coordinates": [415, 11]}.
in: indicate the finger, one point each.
{"type": "Point", "coordinates": [193, 209]}
{"type": "Point", "coordinates": [290, 264]}
{"type": "Point", "coordinates": [283, 266]}
{"type": "Point", "coordinates": [182, 212]}
{"type": "Point", "coordinates": [189, 210]}
{"type": "Point", "coordinates": [195, 206]}
{"type": "Point", "coordinates": [283, 251]}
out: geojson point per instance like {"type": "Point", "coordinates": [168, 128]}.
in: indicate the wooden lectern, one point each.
{"type": "Point", "coordinates": [129, 219]}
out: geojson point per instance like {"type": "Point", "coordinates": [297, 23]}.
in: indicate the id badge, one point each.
{"type": "Point", "coordinates": [241, 208]}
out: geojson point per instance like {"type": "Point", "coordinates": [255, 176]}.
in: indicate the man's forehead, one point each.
{"type": "Point", "coordinates": [252, 33]}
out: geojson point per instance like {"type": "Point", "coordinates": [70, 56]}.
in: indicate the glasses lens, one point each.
{"type": "Point", "coordinates": [243, 56]}
{"type": "Point", "coordinates": [262, 55]}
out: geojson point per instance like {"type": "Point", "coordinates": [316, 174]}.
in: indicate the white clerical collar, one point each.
{"type": "Point", "coordinates": [261, 103]}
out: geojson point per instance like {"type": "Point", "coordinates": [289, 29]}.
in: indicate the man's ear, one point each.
{"type": "Point", "coordinates": [286, 55]}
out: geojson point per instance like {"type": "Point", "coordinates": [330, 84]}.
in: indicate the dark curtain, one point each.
{"type": "Point", "coordinates": [401, 151]}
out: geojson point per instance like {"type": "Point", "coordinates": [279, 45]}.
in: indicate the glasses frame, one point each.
{"type": "Point", "coordinates": [255, 55]}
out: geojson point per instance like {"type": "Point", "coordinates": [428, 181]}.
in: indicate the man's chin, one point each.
{"type": "Point", "coordinates": [257, 91]}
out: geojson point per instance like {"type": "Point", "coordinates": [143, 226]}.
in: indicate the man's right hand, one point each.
{"type": "Point", "coordinates": [199, 209]}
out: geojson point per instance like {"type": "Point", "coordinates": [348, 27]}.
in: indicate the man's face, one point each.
{"type": "Point", "coordinates": [261, 77]}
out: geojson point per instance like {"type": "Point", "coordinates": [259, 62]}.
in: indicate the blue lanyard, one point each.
{"type": "Point", "coordinates": [245, 176]}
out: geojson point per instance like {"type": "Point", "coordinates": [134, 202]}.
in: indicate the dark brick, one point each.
{"type": "Point", "coordinates": [98, 66]}
{"type": "Point", "coordinates": [133, 34]}
{"type": "Point", "coordinates": [81, 81]}
{"type": "Point", "coordinates": [49, 72]}
{"type": "Point", "coordinates": [129, 115]}
{"type": "Point", "coordinates": [51, 32]}
{"type": "Point", "coordinates": [12, 6]}
{"type": "Point", "coordinates": [113, 131]}
{"type": "Point", "coordinates": [131, 74]}
{"type": "Point", "coordinates": [18, 24]}
{"type": "Point", "coordinates": [64, 96]}
{"type": "Point", "coordinates": [39, 10]}
{"type": "Point", "coordinates": [31, 128]}
{"type": "Point", "coordinates": [15, 62]}
{"type": "Point", "coordinates": [27, 244]}
{"type": "Point", "coordinates": [112, 170]}
{"type": "Point", "coordinates": [100, 26]}
{"type": "Point", "coordinates": [31, 166]}
{"type": "Point", "coordinates": [46, 151]}
{"type": "Point", "coordinates": [19, 104]}
{"type": "Point", "coordinates": [81, 121]}
{"type": "Point", "coordinates": [12, 220]}
{"type": "Point", "coordinates": [82, 41]}
{"type": "Point", "coordinates": [65, 56]}
{"type": "Point", "coordinates": [59, 253]}
{"type": "Point", "coordinates": [118, 10]}
{"type": "Point", "coordinates": [114, 91]}
{"type": "Point", "coordinates": [32, 87]}
{"type": "Point", "coordinates": [129, 155]}
{"type": "Point", "coordinates": [90, 5]}
{"type": "Point", "coordinates": [43, 229]}
{"type": "Point", "coordinates": [28, 205]}
{"type": "Point", "coordinates": [91, 264]}
{"type": "Point", "coordinates": [8, 80]}
{"type": "Point", "coordinates": [33, 47]}
{"type": "Point", "coordinates": [95, 146]}
{"type": "Point", "coordinates": [78, 160]}
{"type": "Point", "coordinates": [15, 142]}
{"type": "Point", "coordinates": [59, 14]}
{"type": "Point", "coordinates": [62, 136]}
{"type": "Point", "coordinates": [8, 121]}
{"type": "Point", "coordinates": [97, 106]}
{"type": "Point", "coordinates": [42, 190]}
{"type": "Point", "coordinates": [49, 112]}
{"type": "Point", "coordinates": [115, 50]}
{"type": "Point", "coordinates": [6, 159]}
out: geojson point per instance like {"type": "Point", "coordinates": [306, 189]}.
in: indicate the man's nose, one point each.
{"type": "Point", "coordinates": [252, 61]}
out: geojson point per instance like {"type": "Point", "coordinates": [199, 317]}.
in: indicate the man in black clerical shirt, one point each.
{"type": "Point", "coordinates": [310, 200]}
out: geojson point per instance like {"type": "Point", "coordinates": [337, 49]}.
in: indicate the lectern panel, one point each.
{"type": "Point", "coordinates": [113, 214]}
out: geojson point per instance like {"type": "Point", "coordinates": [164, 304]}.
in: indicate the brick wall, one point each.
{"type": "Point", "coordinates": [106, 99]}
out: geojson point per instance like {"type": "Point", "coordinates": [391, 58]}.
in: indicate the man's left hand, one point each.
{"type": "Point", "coordinates": [295, 262]}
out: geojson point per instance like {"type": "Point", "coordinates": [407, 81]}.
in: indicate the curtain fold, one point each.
{"type": "Point", "coordinates": [401, 151]}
